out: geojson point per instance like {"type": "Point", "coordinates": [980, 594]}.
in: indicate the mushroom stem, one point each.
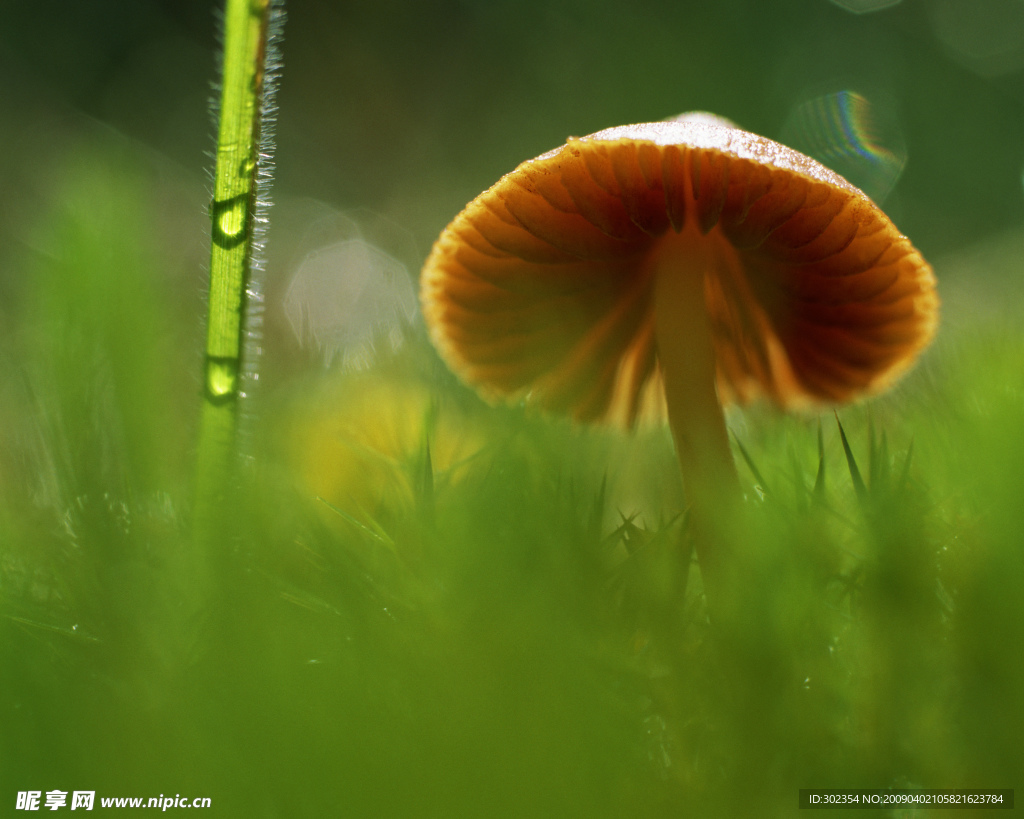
{"type": "Point", "coordinates": [686, 353]}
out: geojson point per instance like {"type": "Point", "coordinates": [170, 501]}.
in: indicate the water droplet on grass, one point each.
{"type": "Point", "coordinates": [221, 377]}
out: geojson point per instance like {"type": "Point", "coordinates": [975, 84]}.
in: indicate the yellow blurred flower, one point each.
{"type": "Point", "coordinates": [373, 445]}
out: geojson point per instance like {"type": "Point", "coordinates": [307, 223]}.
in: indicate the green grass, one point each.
{"type": "Point", "coordinates": [244, 162]}
{"type": "Point", "coordinates": [429, 607]}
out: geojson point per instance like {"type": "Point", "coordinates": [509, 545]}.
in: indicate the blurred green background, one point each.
{"type": "Point", "coordinates": [490, 616]}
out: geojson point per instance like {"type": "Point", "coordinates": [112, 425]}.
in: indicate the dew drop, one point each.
{"type": "Point", "coordinates": [231, 222]}
{"type": "Point", "coordinates": [221, 377]}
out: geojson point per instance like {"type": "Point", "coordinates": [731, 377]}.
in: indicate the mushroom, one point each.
{"type": "Point", "coordinates": [672, 268]}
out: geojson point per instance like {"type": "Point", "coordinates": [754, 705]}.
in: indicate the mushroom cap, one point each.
{"type": "Point", "coordinates": [542, 287]}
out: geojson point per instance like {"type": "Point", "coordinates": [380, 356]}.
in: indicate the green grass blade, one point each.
{"type": "Point", "coordinates": [239, 151]}
{"type": "Point", "coordinates": [245, 25]}
{"type": "Point", "coordinates": [872, 449]}
{"type": "Point", "coordinates": [819, 481]}
{"type": "Point", "coordinates": [751, 465]}
{"type": "Point", "coordinates": [796, 470]}
{"type": "Point", "coordinates": [377, 532]}
{"type": "Point", "coordinates": [425, 476]}
{"type": "Point", "coordinates": [904, 480]}
{"type": "Point", "coordinates": [858, 481]}
{"type": "Point", "coordinates": [880, 469]}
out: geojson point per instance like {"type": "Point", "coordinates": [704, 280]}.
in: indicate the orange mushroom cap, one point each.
{"type": "Point", "coordinates": [543, 286]}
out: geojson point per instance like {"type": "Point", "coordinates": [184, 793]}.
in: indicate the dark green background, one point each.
{"type": "Point", "coordinates": [412, 108]}
{"type": "Point", "coordinates": [489, 664]}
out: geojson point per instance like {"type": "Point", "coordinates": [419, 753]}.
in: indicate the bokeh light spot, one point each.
{"type": "Point", "coordinates": [864, 6]}
{"type": "Point", "coordinates": [860, 140]}
{"type": "Point", "coordinates": [348, 296]}
{"type": "Point", "coordinates": [986, 36]}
